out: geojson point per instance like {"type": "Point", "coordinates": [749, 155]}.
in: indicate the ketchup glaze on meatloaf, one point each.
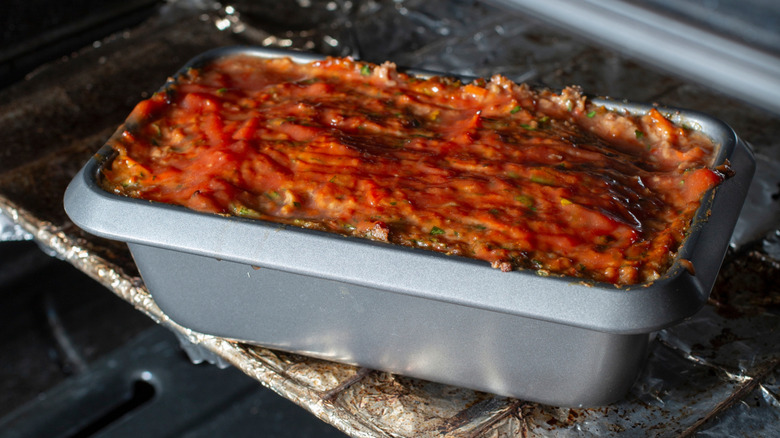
{"type": "Point", "coordinates": [492, 170]}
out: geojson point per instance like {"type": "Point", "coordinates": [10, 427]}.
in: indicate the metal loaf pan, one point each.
{"type": "Point", "coordinates": [409, 311]}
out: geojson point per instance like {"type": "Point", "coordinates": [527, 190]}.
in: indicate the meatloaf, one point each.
{"type": "Point", "coordinates": [492, 170]}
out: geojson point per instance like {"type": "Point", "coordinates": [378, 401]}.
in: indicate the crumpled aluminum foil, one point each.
{"type": "Point", "coordinates": [713, 375]}
{"type": "Point", "coordinates": [10, 231]}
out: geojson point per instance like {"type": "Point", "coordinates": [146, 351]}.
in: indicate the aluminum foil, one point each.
{"type": "Point", "coordinates": [713, 375]}
{"type": "Point", "coordinates": [10, 231]}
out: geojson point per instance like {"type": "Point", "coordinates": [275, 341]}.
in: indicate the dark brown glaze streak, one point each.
{"type": "Point", "coordinates": [490, 170]}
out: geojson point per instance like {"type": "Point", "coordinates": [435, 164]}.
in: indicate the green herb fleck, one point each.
{"type": "Point", "coordinates": [296, 204]}
{"type": "Point", "coordinates": [569, 105]}
{"type": "Point", "coordinates": [528, 127]}
{"type": "Point", "coordinates": [638, 133]}
{"type": "Point", "coordinates": [591, 114]}
{"type": "Point", "coordinates": [526, 200]}
{"type": "Point", "coordinates": [273, 195]}
{"type": "Point", "coordinates": [516, 109]}
{"type": "Point", "coordinates": [365, 70]}
{"type": "Point", "coordinates": [241, 210]}
{"type": "Point", "coordinates": [494, 211]}
{"type": "Point", "coordinates": [436, 230]}
{"type": "Point", "coordinates": [222, 90]}
{"type": "Point", "coordinates": [542, 180]}
{"type": "Point", "coordinates": [544, 119]}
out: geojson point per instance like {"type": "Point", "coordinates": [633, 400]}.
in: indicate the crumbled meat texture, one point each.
{"type": "Point", "coordinates": [492, 170]}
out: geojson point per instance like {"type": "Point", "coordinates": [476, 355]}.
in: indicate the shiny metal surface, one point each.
{"type": "Point", "coordinates": [700, 53]}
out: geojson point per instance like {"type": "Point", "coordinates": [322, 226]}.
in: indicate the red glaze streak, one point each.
{"type": "Point", "coordinates": [489, 170]}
